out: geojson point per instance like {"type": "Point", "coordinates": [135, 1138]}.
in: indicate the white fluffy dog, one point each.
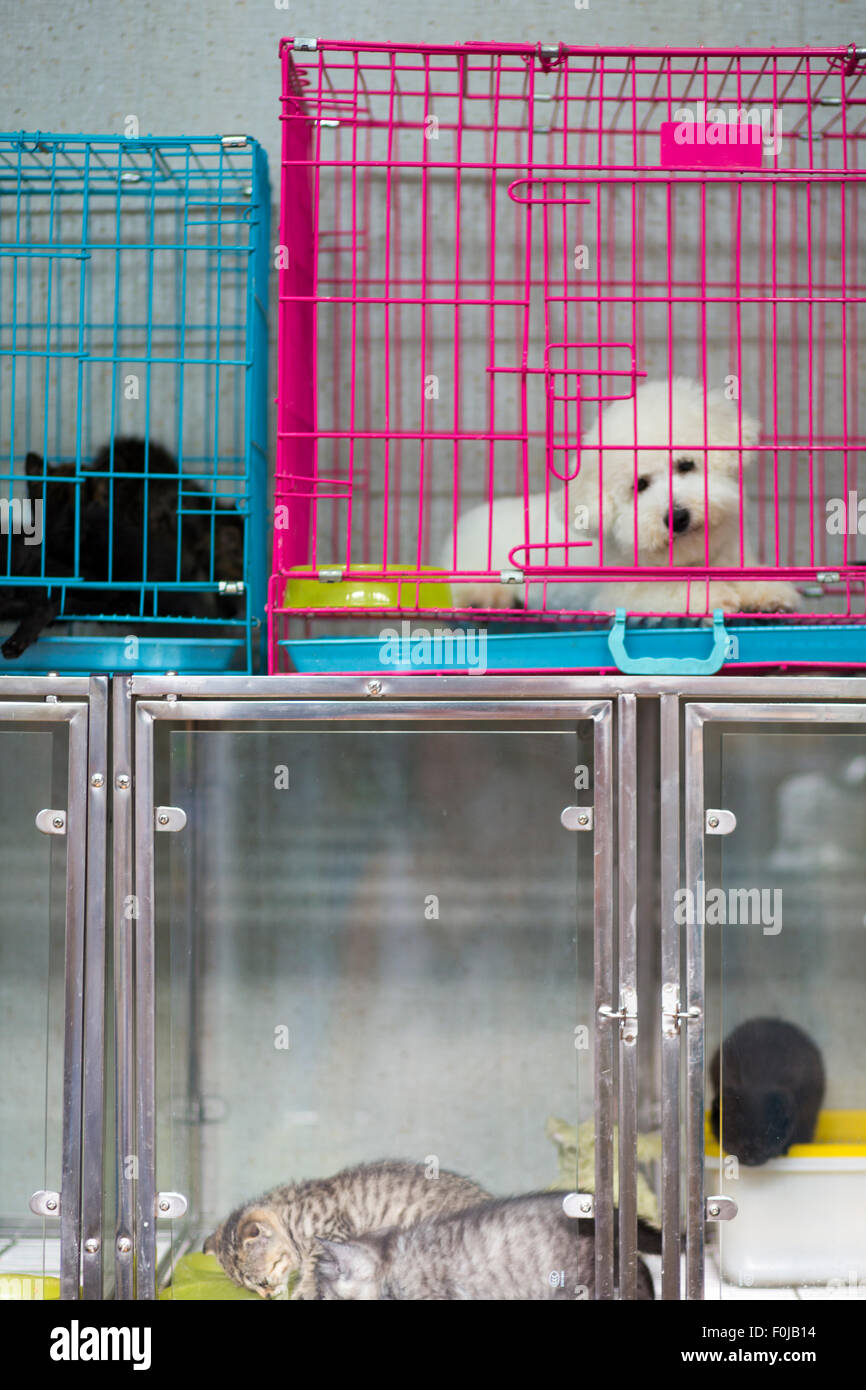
{"type": "Point", "coordinates": [670, 495]}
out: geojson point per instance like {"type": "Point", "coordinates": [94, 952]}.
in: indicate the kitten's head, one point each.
{"type": "Point", "coordinates": [352, 1269]}
{"type": "Point", "coordinates": [255, 1250]}
{"type": "Point", "coordinates": [757, 1123]}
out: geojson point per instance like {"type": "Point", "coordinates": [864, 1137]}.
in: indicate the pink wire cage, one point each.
{"type": "Point", "coordinates": [485, 246]}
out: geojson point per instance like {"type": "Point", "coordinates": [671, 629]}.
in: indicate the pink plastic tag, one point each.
{"type": "Point", "coordinates": [726, 145]}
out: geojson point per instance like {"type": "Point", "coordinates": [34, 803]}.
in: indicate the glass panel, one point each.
{"type": "Point", "coordinates": [367, 948]}
{"type": "Point", "coordinates": [32, 930]}
{"type": "Point", "coordinates": [786, 969]}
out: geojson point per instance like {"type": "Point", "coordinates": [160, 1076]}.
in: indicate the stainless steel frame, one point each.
{"type": "Point", "coordinates": [37, 700]}
{"type": "Point", "coordinates": [93, 1172]}
{"type": "Point", "coordinates": [142, 700]}
{"type": "Point", "coordinates": [669, 820]}
{"type": "Point", "coordinates": [628, 995]}
{"type": "Point", "coordinates": [124, 988]}
{"type": "Point", "coordinates": [697, 716]}
{"type": "Point", "coordinates": [148, 712]}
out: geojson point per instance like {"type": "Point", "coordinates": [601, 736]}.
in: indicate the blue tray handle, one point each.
{"type": "Point", "coordinates": [667, 666]}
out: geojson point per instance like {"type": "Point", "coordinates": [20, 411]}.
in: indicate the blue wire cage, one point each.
{"type": "Point", "coordinates": [133, 401]}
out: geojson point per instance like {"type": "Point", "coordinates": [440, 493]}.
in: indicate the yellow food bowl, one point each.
{"type": "Point", "coordinates": [373, 593]}
{"type": "Point", "coordinates": [838, 1134]}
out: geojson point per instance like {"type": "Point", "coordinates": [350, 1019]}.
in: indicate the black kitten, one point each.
{"type": "Point", "coordinates": [173, 548]}
{"type": "Point", "coordinates": [772, 1089]}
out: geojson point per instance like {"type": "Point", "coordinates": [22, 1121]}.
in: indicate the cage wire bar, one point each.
{"type": "Point", "coordinates": [133, 307]}
{"type": "Point", "coordinates": [488, 244]}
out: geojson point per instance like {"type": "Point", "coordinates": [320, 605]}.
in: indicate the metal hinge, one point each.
{"type": "Point", "coordinates": [719, 822]}
{"type": "Point", "coordinates": [45, 1203]}
{"type": "Point", "coordinates": [721, 1208]}
{"type": "Point", "coordinates": [51, 822]}
{"type": "Point", "coordinates": [234, 142]}
{"type": "Point", "coordinates": [305, 45]}
{"type": "Point", "coordinates": [169, 817]}
{"type": "Point", "coordinates": [170, 1204]}
{"type": "Point", "coordinates": [579, 1204]}
{"type": "Point", "coordinates": [511, 576]}
{"type": "Point", "coordinates": [330, 576]}
{"type": "Point", "coordinates": [672, 1015]}
{"type": "Point", "coordinates": [231, 586]}
{"type": "Point", "coordinates": [625, 1015]}
{"type": "Point", "coordinates": [576, 817]}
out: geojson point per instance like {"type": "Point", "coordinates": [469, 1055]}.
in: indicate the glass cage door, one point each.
{"type": "Point", "coordinates": [376, 933]}
{"type": "Point", "coordinates": [43, 781]}
{"type": "Point", "coordinates": [777, 884]}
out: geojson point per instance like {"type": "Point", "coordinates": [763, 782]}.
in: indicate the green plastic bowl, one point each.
{"type": "Point", "coordinates": [373, 593]}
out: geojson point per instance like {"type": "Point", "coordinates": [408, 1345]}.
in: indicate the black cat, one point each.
{"type": "Point", "coordinates": [173, 548]}
{"type": "Point", "coordinates": [772, 1089]}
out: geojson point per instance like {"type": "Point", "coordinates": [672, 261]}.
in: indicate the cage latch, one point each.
{"type": "Point", "coordinates": [672, 1014]}
{"type": "Point", "coordinates": [625, 1015]}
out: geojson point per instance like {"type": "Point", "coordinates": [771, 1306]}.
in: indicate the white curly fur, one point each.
{"type": "Point", "coordinates": [687, 461]}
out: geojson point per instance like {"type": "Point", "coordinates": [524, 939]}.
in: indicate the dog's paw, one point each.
{"type": "Point", "coordinates": [495, 596]}
{"type": "Point", "coordinates": [12, 647]}
{"type": "Point", "coordinates": [769, 598]}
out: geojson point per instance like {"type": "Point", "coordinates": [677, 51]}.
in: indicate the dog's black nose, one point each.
{"type": "Point", "coordinates": [678, 519]}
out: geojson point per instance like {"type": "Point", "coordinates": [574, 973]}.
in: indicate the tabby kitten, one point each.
{"type": "Point", "coordinates": [515, 1248]}
{"type": "Point", "coordinates": [264, 1241]}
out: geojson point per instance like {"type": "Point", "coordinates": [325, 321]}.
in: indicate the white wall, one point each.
{"type": "Point", "coordinates": [211, 68]}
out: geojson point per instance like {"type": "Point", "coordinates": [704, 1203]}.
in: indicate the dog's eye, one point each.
{"type": "Point", "coordinates": [685, 465]}
{"type": "Point", "coordinates": [642, 484]}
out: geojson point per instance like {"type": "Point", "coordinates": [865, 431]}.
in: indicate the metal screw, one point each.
{"type": "Point", "coordinates": [628, 1037]}
{"type": "Point", "coordinates": [122, 782]}
{"type": "Point", "coordinates": [714, 1208]}
{"type": "Point", "coordinates": [163, 819]}
{"type": "Point", "coordinates": [124, 1245]}
{"type": "Point", "coordinates": [92, 1246]}
{"type": "Point", "coordinates": [50, 1204]}
{"type": "Point", "coordinates": [586, 1205]}
{"type": "Point", "coordinates": [57, 822]}
{"type": "Point", "coordinates": [583, 819]}
{"type": "Point", "coordinates": [374, 687]}
{"type": "Point", "coordinates": [712, 822]}
{"type": "Point", "coordinates": [165, 1205]}
{"type": "Point", "coordinates": [97, 779]}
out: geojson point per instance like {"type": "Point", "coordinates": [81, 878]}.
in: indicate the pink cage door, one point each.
{"type": "Point", "coordinates": [567, 330]}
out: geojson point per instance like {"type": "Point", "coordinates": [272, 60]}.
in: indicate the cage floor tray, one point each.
{"type": "Point", "coordinates": [85, 656]}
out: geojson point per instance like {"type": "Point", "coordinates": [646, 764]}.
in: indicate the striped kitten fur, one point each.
{"type": "Point", "coordinates": [513, 1248]}
{"type": "Point", "coordinates": [263, 1242]}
